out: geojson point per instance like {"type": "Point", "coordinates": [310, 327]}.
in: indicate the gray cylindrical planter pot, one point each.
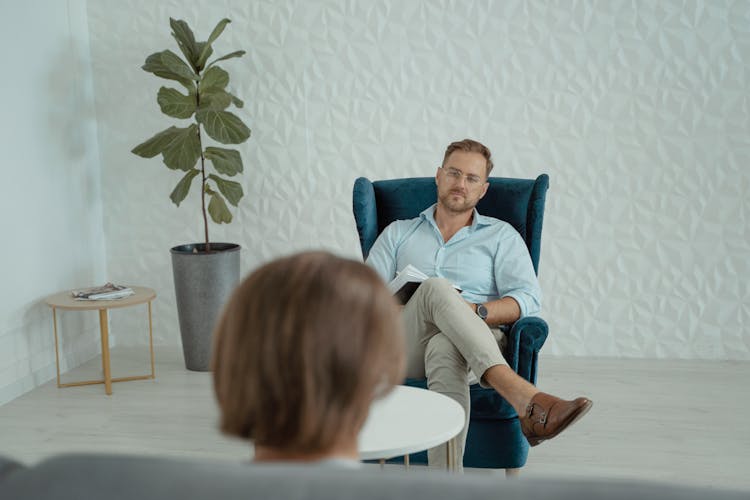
{"type": "Point", "coordinates": [202, 284]}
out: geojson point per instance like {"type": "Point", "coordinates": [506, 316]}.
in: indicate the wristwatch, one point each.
{"type": "Point", "coordinates": [482, 312]}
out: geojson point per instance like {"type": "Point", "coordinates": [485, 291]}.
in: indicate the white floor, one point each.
{"type": "Point", "coordinates": [676, 421]}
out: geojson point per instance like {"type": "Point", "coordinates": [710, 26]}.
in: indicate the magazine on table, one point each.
{"type": "Point", "coordinates": [406, 283]}
{"type": "Point", "coordinates": [108, 291]}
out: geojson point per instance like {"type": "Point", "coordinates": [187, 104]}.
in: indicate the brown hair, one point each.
{"type": "Point", "coordinates": [303, 347]}
{"type": "Point", "coordinates": [470, 146]}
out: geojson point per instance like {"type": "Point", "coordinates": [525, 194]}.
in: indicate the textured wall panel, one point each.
{"type": "Point", "coordinates": [638, 111]}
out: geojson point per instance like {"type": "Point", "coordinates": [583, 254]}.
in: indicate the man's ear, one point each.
{"type": "Point", "coordinates": [437, 172]}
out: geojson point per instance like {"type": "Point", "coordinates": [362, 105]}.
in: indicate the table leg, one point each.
{"type": "Point", "coordinates": [151, 341]}
{"type": "Point", "coordinates": [104, 329]}
{"type": "Point", "coordinates": [57, 354]}
{"type": "Point", "coordinates": [450, 449]}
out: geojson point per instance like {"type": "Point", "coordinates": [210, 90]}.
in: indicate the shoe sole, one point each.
{"type": "Point", "coordinates": [575, 417]}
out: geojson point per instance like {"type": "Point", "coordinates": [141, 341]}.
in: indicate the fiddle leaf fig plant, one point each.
{"type": "Point", "coordinates": [203, 100]}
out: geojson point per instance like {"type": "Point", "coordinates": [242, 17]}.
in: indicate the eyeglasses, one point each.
{"type": "Point", "coordinates": [455, 175]}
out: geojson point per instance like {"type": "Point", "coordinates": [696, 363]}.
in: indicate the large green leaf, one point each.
{"type": "Point", "coordinates": [218, 209]}
{"type": "Point", "coordinates": [223, 126]}
{"type": "Point", "coordinates": [211, 38]}
{"type": "Point", "coordinates": [211, 89]}
{"type": "Point", "coordinates": [216, 100]}
{"type": "Point", "coordinates": [175, 104]}
{"type": "Point", "coordinates": [230, 189]}
{"type": "Point", "coordinates": [167, 64]}
{"type": "Point", "coordinates": [213, 79]}
{"type": "Point", "coordinates": [157, 143]}
{"type": "Point", "coordinates": [225, 161]}
{"type": "Point", "coordinates": [237, 53]}
{"type": "Point", "coordinates": [185, 40]}
{"type": "Point", "coordinates": [183, 152]}
{"type": "Point", "coordinates": [200, 46]}
{"type": "Point", "coordinates": [183, 187]}
{"type": "Point", "coordinates": [218, 29]}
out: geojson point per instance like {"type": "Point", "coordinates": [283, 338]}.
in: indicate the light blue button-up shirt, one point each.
{"type": "Point", "coordinates": [488, 260]}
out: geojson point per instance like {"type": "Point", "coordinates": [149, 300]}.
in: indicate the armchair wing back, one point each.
{"type": "Point", "coordinates": [495, 439]}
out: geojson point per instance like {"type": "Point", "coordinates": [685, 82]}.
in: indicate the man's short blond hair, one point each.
{"type": "Point", "coordinates": [302, 348]}
{"type": "Point", "coordinates": [470, 146]}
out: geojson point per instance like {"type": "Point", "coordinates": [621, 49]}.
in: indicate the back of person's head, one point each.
{"type": "Point", "coordinates": [303, 347]}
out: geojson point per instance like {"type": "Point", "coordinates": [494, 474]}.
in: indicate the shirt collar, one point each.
{"type": "Point", "coordinates": [477, 221]}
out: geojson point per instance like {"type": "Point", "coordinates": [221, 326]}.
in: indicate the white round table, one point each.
{"type": "Point", "coordinates": [409, 420]}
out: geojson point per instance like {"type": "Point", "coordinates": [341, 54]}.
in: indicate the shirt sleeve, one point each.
{"type": "Point", "coordinates": [382, 257]}
{"type": "Point", "coordinates": [514, 273]}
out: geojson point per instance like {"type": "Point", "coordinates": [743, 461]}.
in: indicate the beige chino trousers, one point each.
{"type": "Point", "coordinates": [444, 340]}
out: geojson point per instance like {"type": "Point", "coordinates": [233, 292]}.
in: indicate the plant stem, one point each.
{"type": "Point", "coordinates": [203, 172]}
{"type": "Point", "coordinates": [203, 192]}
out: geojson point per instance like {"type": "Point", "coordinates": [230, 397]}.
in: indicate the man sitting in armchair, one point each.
{"type": "Point", "coordinates": [447, 333]}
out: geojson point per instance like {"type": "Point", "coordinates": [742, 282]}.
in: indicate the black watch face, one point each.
{"type": "Point", "coordinates": [481, 311]}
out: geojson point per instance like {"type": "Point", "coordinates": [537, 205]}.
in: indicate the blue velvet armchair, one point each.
{"type": "Point", "coordinates": [494, 439]}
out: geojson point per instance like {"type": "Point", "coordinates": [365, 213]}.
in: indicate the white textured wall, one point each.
{"type": "Point", "coordinates": [51, 227]}
{"type": "Point", "coordinates": [638, 111]}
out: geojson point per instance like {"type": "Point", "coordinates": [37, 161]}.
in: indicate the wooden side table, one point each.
{"type": "Point", "coordinates": [65, 301]}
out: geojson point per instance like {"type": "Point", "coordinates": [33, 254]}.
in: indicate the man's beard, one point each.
{"type": "Point", "coordinates": [457, 206]}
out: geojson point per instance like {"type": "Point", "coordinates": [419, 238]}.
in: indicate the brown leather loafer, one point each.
{"type": "Point", "coordinates": [547, 416]}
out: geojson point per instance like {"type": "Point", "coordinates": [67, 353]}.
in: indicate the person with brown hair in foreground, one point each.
{"type": "Point", "coordinates": [292, 376]}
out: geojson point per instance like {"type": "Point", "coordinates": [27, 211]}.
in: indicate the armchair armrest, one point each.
{"type": "Point", "coordinates": [525, 338]}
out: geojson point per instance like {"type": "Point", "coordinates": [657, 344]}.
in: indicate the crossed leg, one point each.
{"type": "Point", "coordinates": [444, 338]}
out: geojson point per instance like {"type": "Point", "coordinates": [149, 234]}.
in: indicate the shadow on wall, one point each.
{"type": "Point", "coordinates": [71, 117]}
{"type": "Point", "coordinates": [77, 335]}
